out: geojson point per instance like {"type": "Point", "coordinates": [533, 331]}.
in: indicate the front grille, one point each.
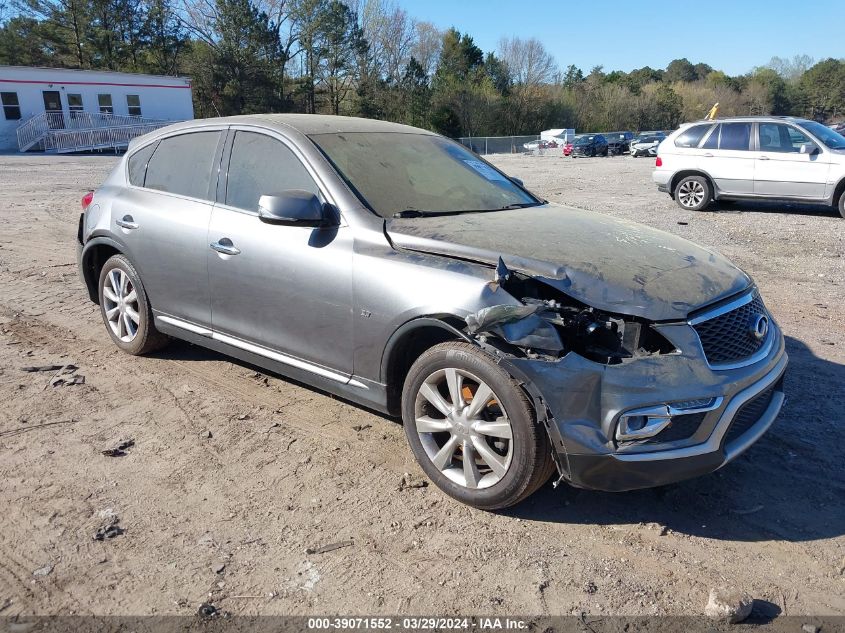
{"type": "Point", "coordinates": [751, 412]}
{"type": "Point", "coordinates": [728, 337]}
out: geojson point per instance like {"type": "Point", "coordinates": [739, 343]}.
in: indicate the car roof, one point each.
{"type": "Point", "coordinates": [749, 119]}
{"type": "Point", "coordinates": [306, 123]}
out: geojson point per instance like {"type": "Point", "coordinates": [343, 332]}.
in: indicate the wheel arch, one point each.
{"type": "Point", "coordinates": [838, 190]}
{"type": "Point", "coordinates": [407, 344]}
{"type": "Point", "coordinates": [94, 256]}
{"type": "Point", "coordinates": [691, 172]}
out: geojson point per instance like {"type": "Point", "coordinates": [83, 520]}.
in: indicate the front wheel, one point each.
{"type": "Point", "coordinates": [472, 429]}
{"type": "Point", "coordinates": [842, 204]}
{"type": "Point", "coordinates": [693, 193]}
{"type": "Point", "coordinates": [126, 310]}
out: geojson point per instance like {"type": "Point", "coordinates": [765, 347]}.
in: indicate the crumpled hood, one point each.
{"type": "Point", "coordinates": [605, 262]}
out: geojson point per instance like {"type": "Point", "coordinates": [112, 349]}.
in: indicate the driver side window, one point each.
{"type": "Point", "coordinates": [261, 165]}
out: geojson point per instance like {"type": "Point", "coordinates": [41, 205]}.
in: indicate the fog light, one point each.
{"type": "Point", "coordinates": [639, 424]}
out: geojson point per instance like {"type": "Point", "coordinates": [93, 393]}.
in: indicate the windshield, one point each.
{"type": "Point", "coordinates": [395, 173]}
{"type": "Point", "coordinates": [832, 139]}
{"type": "Point", "coordinates": [584, 140]}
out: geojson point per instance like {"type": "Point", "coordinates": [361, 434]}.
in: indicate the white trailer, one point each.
{"type": "Point", "coordinates": [65, 110]}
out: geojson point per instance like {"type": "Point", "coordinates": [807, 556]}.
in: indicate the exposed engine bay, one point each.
{"type": "Point", "coordinates": [550, 324]}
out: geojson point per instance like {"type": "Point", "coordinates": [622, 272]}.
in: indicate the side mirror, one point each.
{"type": "Point", "coordinates": [294, 207]}
{"type": "Point", "coordinates": [518, 181]}
{"type": "Point", "coordinates": [809, 148]}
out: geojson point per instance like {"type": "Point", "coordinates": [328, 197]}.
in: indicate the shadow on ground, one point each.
{"type": "Point", "coordinates": [789, 485]}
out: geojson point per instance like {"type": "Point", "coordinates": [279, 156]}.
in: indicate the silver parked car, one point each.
{"type": "Point", "coordinates": [395, 268]}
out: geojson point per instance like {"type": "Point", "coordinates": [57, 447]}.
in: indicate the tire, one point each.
{"type": "Point", "coordinates": [693, 193]}
{"type": "Point", "coordinates": [504, 469]}
{"type": "Point", "coordinates": [119, 283]}
{"type": "Point", "coordinates": [842, 204]}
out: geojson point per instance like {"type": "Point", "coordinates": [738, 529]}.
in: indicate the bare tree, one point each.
{"type": "Point", "coordinates": [428, 41]}
{"type": "Point", "coordinates": [528, 61]}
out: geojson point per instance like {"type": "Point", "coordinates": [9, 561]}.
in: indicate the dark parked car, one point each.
{"type": "Point", "coordinates": [618, 142]}
{"type": "Point", "coordinates": [395, 268]}
{"type": "Point", "coordinates": [590, 145]}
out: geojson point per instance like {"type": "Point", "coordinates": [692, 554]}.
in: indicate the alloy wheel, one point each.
{"type": "Point", "coordinates": [120, 304]}
{"type": "Point", "coordinates": [691, 193]}
{"type": "Point", "coordinates": [463, 428]}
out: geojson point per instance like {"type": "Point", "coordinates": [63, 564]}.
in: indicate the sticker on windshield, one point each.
{"type": "Point", "coordinates": [485, 170]}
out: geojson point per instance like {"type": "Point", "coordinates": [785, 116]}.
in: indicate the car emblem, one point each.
{"type": "Point", "coordinates": [759, 327]}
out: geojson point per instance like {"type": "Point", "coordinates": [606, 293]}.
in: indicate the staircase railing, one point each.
{"type": "Point", "coordinates": [82, 140]}
{"type": "Point", "coordinates": [55, 124]}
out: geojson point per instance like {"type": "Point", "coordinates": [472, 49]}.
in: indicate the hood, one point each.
{"type": "Point", "coordinates": [602, 261]}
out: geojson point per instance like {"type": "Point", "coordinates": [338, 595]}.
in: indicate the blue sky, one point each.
{"type": "Point", "coordinates": [733, 36]}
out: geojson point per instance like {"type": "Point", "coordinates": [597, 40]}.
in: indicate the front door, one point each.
{"type": "Point", "coordinates": [782, 170]}
{"type": "Point", "coordinates": [53, 108]}
{"type": "Point", "coordinates": [287, 289]}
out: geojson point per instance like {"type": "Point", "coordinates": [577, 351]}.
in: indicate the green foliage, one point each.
{"type": "Point", "coordinates": [368, 58]}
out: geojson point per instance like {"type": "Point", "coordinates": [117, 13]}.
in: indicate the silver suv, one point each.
{"type": "Point", "coordinates": [395, 268]}
{"type": "Point", "coordinates": [748, 158]}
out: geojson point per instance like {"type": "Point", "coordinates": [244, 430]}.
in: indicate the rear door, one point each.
{"type": "Point", "coordinates": [781, 169]}
{"type": "Point", "coordinates": [289, 288]}
{"type": "Point", "coordinates": [726, 156]}
{"type": "Point", "coordinates": [163, 218]}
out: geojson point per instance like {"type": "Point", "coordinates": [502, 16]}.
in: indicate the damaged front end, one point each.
{"type": "Point", "coordinates": [548, 325]}
{"type": "Point", "coordinates": [627, 403]}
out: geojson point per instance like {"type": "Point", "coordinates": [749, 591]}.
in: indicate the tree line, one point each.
{"type": "Point", "coordinates": [371, 58]}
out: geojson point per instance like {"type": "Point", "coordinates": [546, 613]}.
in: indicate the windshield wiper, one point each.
{"type": "Point", "coordinates": [416, 213]}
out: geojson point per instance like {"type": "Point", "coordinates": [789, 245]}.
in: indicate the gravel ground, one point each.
{"type": "Point", "coordinates": [235, 473]}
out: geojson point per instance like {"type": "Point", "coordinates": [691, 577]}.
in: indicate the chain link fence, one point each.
{"type": "Point", "coordinates": [484, 145]}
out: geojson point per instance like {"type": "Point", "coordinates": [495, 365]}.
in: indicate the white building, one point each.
{"type": "Point", "coordinates": [58, 109]}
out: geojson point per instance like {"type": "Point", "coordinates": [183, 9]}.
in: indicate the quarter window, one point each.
{"type": "Point", "coordinates": [138, 164]}
{"type": "Point", "coordinates": [692, 136]}
{"type": "Point", "coordinates": [11, 106]}
{"type": "Point", "coordinates": [260, 166]}
{"type": "Point", "coordinates": [104, 101]}
{"type": "Point", "coordinates": [183, 164]}
{"type": "Point", "coordinates": [133, 104]}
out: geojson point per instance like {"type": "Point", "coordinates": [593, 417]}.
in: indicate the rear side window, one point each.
{"type": "Point", "coordinates": [735, 136]}
{"type": "Point", "coordinates": [692, 136]}
{"type": "Point", "coordinates": [183, 164]}
{"type": "Point", "coordinates": [138, 164]}
{"type": "Point", "coordinates": [262, 166]}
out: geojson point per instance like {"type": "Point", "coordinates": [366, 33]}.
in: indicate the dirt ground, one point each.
{"type": "Point", "coordinates": [235, 473]}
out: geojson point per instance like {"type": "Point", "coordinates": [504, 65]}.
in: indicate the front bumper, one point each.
{"type": "Point", "coordinates": [585, 401]}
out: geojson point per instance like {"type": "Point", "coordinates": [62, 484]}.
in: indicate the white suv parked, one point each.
{"type": "Point", "coordinates": [779, 158]}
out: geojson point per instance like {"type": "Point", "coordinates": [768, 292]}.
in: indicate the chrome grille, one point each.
{"type": "Point", "coordinates": [727, 338]}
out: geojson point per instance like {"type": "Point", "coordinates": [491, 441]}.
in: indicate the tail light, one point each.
{"type": "Point", "coordinates": [87, 199]}
{"type": "Point", "coordinates": [658, 162]}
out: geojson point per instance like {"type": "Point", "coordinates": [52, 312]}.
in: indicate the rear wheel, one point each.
{"type": "Point", "coordinates": [842, 204]}
{"type": "Point", "coordinates": [471, 428]}
{"type": "Point", "coordinates": [693, 193]}
{"type": "Point", "coordinates": [126, 310]}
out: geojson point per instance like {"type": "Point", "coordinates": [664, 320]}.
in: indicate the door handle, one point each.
{"type": "Point", "coordinates": [127, 222]}
{"type": "Point", "coordinates": [225, 246]}
{"type": "Point", "coordinates": [764, 158]}
{"type": "Point", "coordinates": [708, 155]}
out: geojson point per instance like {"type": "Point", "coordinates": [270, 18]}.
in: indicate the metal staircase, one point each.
{"type": "Point", "coordinates": [60, 132]}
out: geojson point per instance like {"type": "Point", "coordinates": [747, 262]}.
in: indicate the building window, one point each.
{"type": "Point", "coordinates": [133, 102]}
{"type": "Point", "coordinates": [11, 107]}
{"type": "Point", "coordinates": [104, 102]}
{"type": "Point", "coordinates": [74, 103]}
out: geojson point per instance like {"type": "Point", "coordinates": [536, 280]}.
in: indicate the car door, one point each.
{"type": "Point", "coordinates": [288, 289]}
{"type": "Point", "coordinates": [782, 170]}
{"type": "Point", "coordinates": [163, 217]}
{"type": "Point", "coordinates": [727, 158]}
